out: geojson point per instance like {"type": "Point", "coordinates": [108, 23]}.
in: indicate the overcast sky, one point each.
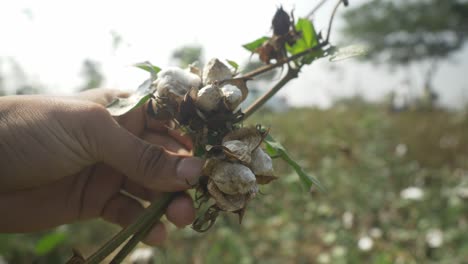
{"type": "Point", "coordinates": [50, 39]}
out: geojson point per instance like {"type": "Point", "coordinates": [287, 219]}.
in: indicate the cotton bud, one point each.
{"type": "Point", "coordinates": [261, 163]}
{"type": "Point", "coordinates": [233, 178]}
{"type": "Point", "coordinates": [176, 82]}
{"type": "Point", "coordinates": [233, 96]}
{"type": "Point", "coordinates": [208, 98]}
{"type": "Point", "coordinates": [215, 70]}
{"type": "Point", "coordinates": [238, 150]}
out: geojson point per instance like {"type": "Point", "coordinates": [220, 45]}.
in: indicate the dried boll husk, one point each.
{"type": "Point", "coordinates": [261, 163]}
{"type": "Point", "coordinates": [249, 135]}
{"type": "Point", "coordinates": [225, 202]}
{"type": "Point", "coordinates": [208, 98]}
{"type": "Point", "coordinates": [238, 150]}
{"type": "Point", "coordinates": [262, 167]}
{"type": "Point", "coordinates": [232, 95]}
{"type": "Point", "coordinates": [214, 71]}
{"type": "Point", "coordinates": [174, 82]}
{"type": "Point", "coordinates": [233, 178]}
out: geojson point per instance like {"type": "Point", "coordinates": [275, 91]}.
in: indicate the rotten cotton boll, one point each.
{"type": "Point", "coordinates": [233, 178]}
{"type": "Point", "coordinates": [233, 174]}
{"type": "Point", "coordinates": [238, 150]}
{"type": "Point", "coordinates": [227, 202]}
{"type": "Point", "coordinates": [261, 163]}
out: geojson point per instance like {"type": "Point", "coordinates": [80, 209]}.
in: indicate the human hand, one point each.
{"type": "Point", "coordinates": [65, 159]}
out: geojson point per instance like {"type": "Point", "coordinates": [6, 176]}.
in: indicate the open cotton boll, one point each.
{"type": "Point", "coordinates": [176, 81]}
{"type": "Point", "coordinates": [215, 70]}
{"type": "Point", "coordinates": [233, 96]}
{"type": "Point", "coordinates": [208, 98]}
{"type": "Point", "coordinates": [233, 178]}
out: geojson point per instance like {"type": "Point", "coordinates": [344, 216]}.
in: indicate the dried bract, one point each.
{"type": "Point", "coordinates": [238, 150]}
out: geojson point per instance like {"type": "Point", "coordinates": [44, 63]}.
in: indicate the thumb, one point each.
{"type": "Point", "coordinates": [150, 165]}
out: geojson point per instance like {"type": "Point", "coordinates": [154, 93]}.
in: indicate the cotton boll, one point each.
{"type": "Point", "coordinates": [233, 178]}
{"type": "Point", "coordinates": [175, 81]}
{"type": "Point", "coordinates": [261, 163]}
{"type": "Point", "coordinates": [208, 98]}
{"type": "Point", "coordinates": [226, 202]}
{"type": "Point", "coordinates": [233, 96]}
{"type": "Point", "coordinates": [215, 70]}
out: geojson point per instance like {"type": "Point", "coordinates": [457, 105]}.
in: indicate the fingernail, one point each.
{"type": "Point", "coordinates": [190, 169]}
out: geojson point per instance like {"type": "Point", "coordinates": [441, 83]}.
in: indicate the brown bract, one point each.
{"type": "Point", "coordinates": [284, 33]}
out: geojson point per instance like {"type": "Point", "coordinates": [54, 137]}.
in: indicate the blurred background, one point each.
{"type": "Point", "coordinates": [386, 133]}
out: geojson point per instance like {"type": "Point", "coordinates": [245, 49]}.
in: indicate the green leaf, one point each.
{"type": "Point", "coordinates": [349, 52]}
{"type": "Point", "coordinates": [121, 106]}
{"type": "Point", "coordinates": [233, 64]}
{"type": "Point", "coordinates": [275, 148]}
{"type": "Point", "coordinates": [48, 242]}
{"type": "Point", "coordinates": [307, 30]}
{"type": "Point", "coordinates": [252, 46]}
{"type": "Point", "coordinates": [147, 66]}
{"type": "Point", "coordinates": [308, 39]}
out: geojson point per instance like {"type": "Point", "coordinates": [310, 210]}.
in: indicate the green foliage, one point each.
{"type": "Point", "coordinates": [121, 106]}
{"type": "Point", "coordinates": [275, 148]}
{"type": "Point", "coordinates": [353, 147]}
{"type": "Point", "coordinates": [307, 40]}
{"type": "Point", "coordinates": [50, 241]}
{"type": "Point", "coordinates": [147, 66]}
{"type": "Point", "coordinates": [233, 64]}
{"type": "Point", "coordinates": [409, 31]}
{"type": "Point", "coordinates": [308, 37]}
{"type": "Point", "coordinates": [252, 46]}
{"type": "Point", "coordinates": [187, 55]}
{"type": "Point", "coordinates": [92, 73]}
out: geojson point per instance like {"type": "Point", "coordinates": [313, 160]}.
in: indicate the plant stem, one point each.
{"type": "Point", "coordinates": [145, 219]}
{"type": "Point", "coordinates": [291, 74]}
{"type": "Point", "coordinates": [330, 23]}
{"type": "Point", "coordinates": [317, 7]}
{"type": "Point", "coordinates": [157, 213]}
{"type": "Point", "coordinates": [270, 67]}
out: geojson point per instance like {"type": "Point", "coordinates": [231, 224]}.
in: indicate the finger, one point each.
{"type": "Point", "coordinates": [101, 96]}
{"type": "Point", "coordinates": [139, 191]}
{"type": "Point", "coordinates": [184, 139]}
{"type": "Point", "coordinates": [123, 210]}
{"type": "Point", "coordinates": [142, 162]}
{"type": "Point", "coordinates": [181, 211]}
{"type": "Point", "coordinates": [166, 142]}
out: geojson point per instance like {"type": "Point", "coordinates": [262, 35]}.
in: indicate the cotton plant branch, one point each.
{"type": "Point", "coordinates": [137, 231]}
{"type": "Point", "coordinates": [146, 220]}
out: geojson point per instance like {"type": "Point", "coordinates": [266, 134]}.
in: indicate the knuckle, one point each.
{"type": "Point", "coordinates": [153, 160]}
